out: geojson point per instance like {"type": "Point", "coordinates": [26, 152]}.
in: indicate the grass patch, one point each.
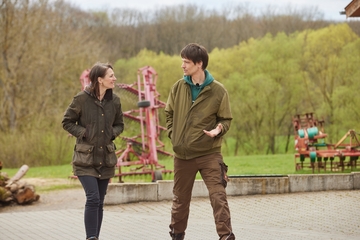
{"type": "Point", "coordinates": [61, 171]}
{"type": "Point", "coordinates": [260, 164]}
{"type": "Point", "coordinates": [49, 188]}
{"type": "Point", "coordinates": [282, 164]}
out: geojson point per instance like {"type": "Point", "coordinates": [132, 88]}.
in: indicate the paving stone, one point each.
{"type": "Point", "coordinates": [331, 215]}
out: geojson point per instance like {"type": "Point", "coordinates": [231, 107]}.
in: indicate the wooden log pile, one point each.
{"type": "Point", "coordinates": [16, 190]}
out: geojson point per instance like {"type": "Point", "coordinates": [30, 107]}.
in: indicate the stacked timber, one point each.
{"type": "Point", "coordinates": [16, 190]}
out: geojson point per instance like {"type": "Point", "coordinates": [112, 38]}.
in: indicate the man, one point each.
{"type": "Point", "coordinates": [198, 114]}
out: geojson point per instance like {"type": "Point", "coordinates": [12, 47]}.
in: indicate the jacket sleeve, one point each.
{"type": "Point", "coordinates": [224, 115]}
{"type": "Point", "coordinates": [118, 125]}
{"type": "Point", "coordinates": [71, 118]}
{"type": "Point", "coordinates": [169, 114]}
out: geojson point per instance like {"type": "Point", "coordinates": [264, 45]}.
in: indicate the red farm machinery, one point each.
{"type": "Point", "coordinates": [142, 149]}
{"type": "Point", "coordinates": [310, 143]}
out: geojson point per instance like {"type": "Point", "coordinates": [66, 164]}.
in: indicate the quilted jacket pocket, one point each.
{"type": "Point", "coordinates": [111, 159]}
{"type": "Point", "coordinates": [83, 155]}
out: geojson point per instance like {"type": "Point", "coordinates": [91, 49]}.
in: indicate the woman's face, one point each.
{"type": "Point", "coordinates": [108, 81]}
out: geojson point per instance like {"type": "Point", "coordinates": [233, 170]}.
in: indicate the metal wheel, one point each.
{"type": "Point", "coordinates": [157, 175]}
{"type": "Point", "coordinates": [143, 104]}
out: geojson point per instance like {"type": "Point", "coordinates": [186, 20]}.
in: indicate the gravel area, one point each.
{"type": "Point", "coordinates": [71, 198]}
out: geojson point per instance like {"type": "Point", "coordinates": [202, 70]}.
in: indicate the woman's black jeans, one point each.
{"type": "Point", "coordinates": [95, 190]}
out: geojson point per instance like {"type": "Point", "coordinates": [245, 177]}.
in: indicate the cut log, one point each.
{"type": "Point", "coordinates": [21, 184]}
{"type": "Point", "coordinates": [26, 195]}
{"type": "Point", "coordinates": [22, 171]}
{"type": "Point", "coordinates": [3, 178]}
{"type": "Point", "coordinates": [14, 189]}
{"type": "Point", "coordinates": [5, 195]}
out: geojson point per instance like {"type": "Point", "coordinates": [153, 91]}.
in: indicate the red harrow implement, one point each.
{"type": "Point", "coordinates": [84, 78]}
{"type": "Point", "coordinates": [141, 152]}
{"type": "Point", "coordinates": [310, 143]}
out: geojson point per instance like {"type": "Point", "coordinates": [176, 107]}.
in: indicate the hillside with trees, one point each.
{"type": "Point", "coordinates": [274, 65]}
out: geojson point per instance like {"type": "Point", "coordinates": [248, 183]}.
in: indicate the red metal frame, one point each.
{"type": "Point", "coordinates": [144, 161]}
{"type": "Point", "coordinates": [84, 79]}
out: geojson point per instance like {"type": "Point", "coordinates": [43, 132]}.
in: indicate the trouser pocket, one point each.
{"type": "Point", "coordinates": [224, 177]}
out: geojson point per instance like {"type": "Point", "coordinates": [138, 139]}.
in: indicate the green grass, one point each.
{"type": "Point", "coordinates": [62, 171]}
{"type": "Point", "coordinates": [42, 189]}
{"type": "Point", "coordinates": [260, 164]}
{"type": "Point", "coordinates": [240, 165]}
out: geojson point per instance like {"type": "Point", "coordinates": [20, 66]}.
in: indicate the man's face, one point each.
{"type": "Point", "coordinates": [189, 67]}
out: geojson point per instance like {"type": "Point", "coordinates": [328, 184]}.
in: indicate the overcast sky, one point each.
{"type": "Point", "coordinates": [330, 8]}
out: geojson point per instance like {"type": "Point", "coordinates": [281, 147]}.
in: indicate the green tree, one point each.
{"type": "Point", "coordinates": [346, 102]}
{"type": "Point", "coordinates": [265, 89]}
{"type": "Point", "coordinates": [322, 64]}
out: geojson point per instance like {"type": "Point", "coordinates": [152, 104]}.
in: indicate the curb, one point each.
{"type": "Point", "coordinates": [237, 186]}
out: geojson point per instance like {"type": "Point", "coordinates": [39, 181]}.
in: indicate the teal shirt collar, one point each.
{"type": "Point", "coordinates": [195, 90]}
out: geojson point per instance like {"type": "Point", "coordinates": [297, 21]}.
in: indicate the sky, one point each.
{"type": "Point", "coordinates": [330, 8]}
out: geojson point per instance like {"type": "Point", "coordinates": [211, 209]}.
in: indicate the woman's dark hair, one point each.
{"type": "Point", "coordinates": [195, 53]}
{"type": "Point", "coordinates": [98, 70]}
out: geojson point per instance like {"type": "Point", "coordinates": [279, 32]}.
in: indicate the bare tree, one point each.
{"type": "Point", "coordinates": [42, 46]}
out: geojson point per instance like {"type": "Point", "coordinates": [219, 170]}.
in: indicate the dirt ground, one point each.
{"type": "Point", "coordinates": [71, 198]}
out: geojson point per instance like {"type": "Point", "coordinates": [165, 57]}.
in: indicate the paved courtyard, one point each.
{"type": "Point", "coordinates": [312, 215]}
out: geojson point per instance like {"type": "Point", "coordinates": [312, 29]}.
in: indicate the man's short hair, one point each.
{"type": "Point", "coordinates": [196, 53]}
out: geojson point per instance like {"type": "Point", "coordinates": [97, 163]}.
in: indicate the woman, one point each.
{"type": "Point", "coordinates": [95, 118]}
